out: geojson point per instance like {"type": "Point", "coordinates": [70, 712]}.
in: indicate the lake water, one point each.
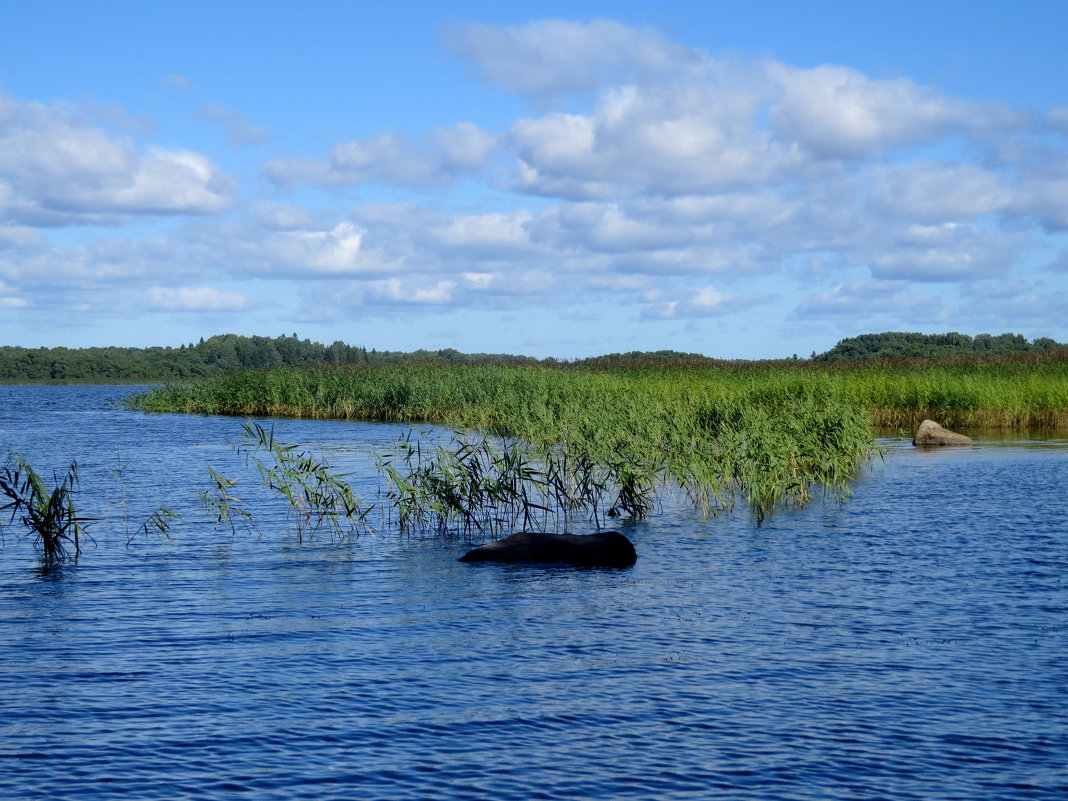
{"type": "Point", "coordinates": [907, 644]}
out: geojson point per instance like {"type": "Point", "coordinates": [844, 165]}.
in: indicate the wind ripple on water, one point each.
{"type": "Point", "coordinates": [908, 644]}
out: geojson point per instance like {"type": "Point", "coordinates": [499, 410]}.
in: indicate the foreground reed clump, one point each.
{"type": "Point", "coordinates": [49, 515]}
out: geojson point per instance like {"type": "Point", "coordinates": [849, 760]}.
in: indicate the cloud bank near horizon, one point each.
{"type": "Point", "coordinates": [660, 182]}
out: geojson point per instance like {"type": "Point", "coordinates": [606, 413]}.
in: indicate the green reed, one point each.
{"type": "Point", "coordinates": [1015, 391]}
{"type": "Point", "coordinates": [316, 494]}
{"type": "Point", "coordinates": [158, 522]}
{"type": "Point", "coordinates": [602, 442]}
{"type": "Point", "coordinates": [48, 514]}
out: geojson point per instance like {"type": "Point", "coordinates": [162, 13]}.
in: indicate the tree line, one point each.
{"type": "Point", "coordinates": [207, 358]}
{"type": "Point", "coordinates": [225, 352]}
{"type": "Point", "coordinates": [904, 345]}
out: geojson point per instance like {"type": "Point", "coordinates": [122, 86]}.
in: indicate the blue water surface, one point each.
{"type": "Point", "coordinates": [909, 643]}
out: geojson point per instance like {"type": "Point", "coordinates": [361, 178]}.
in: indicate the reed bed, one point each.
{"type": "Point", "coordinates": [536, 443]}
{"type": "Point", "coordinates": [1029, 390]}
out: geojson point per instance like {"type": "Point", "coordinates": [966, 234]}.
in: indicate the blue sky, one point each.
{"type": "Point", "coordinates": [745, 179]}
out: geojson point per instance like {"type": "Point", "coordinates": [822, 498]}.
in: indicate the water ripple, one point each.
{"type": "Point", "coordinates": [908, 644]}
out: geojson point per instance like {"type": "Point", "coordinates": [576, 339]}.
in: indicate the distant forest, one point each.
{"type": "Point", "coordinates": [220, 354]}
{"type": "Point", "coordinates": [902, 345]}
{"type": "Point", "coordinates": [209, 357]}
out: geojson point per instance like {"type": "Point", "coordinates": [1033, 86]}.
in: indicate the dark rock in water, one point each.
{"type": "Point", "coordinates": [604, 549]}
{"type": "Point", "coordinates": [930, 434]}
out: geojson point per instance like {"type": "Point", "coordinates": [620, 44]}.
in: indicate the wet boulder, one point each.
{"type": "Point", "coordinates": [603, 549]}
{"type": "Point", "coordinates": [930, 434]}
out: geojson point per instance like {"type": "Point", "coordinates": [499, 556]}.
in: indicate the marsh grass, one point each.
{"type": "Point", "coordinates": [48, 514]}
{"type": "Point", "coordinates": [1028, 390]}
{"type": "Point", "coordinates": [536, 445]}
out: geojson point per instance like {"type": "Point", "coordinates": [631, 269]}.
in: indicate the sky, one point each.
{"type": "Point", "coordinates": [739, 179]}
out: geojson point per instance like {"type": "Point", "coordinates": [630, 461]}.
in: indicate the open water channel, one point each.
{"type": "Point", "coordinates": [909, 643]}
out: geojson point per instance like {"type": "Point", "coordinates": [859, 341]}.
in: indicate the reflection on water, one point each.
{"type": "Point", "coordinates": [908, 644]}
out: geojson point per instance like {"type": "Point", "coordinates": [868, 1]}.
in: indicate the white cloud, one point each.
{"type": "Point", "coordinates": [692, 138]}
{"type": "Point", "coordinates": [410, 291]}
{"type": "Point", "coordinates": [435, 159]}
{"type": "Point", "coordinates": [195, 299]}
{"type": "Point", "coordinates": [1043, 194]}
{"type": "Point", "coordinates": [486, 235]}
{"type": "Point", "coordinates": [1016, 305]}
{"type": "Point", "coordinates": [932, 192]}
{"type": "Point", "coordinates": [946, 252]}
{"type": "Point", "coordinates": [838, 112]}
{"type": "Point", "coordinates": [703, 301]}
{"type": "Point", "coordinates": [99, 265]}
{"type": "Point", "coordinates": [57, 168]}
{"type": "Point", "coordinates": [871, 300]}
{"type": "Point", "coordinates": [21, 237]}
{"type": "Point", "coordinates": [334, 252]}
{"type": "Point", "coordinates": [658, 180]}
{"type": "Point", "coordinates": [554, 57]}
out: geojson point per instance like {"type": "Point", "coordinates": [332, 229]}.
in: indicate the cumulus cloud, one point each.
{"type": "Point", "coordinates": [1043, 194]}
{"type": "Point", "coordinates": [554, 57]}
{"type": "Point", "coordinates": [668, 140]}
{"type": "Point", "coordinates": [20, 237]}
{"type": "Point", "coordinates": [838, 112]}
{"type": "Point", "coordinates": [57, 168]}
{"type": "Point", "coordinates": [435, 159]}
{"type": "Point", "coordinates": [195, 299]}
{"type": "Point", "coordinates": [932, 192]}
{"type": "Point", "coordinates": [703, 301]}
{"type": "Point", "coordinates": [101, 264]}
{"type": "Point", "coordinates": [104, 278]}
{"type": "Point", "coordinates": [335, 252]}
{"type": "Point", "coordinates": [301, 248]}
{"type": "Point", "coordinates": [653, 177]}
{"type": "Point", "coordinates": [946, 252]}
{"type": "Point", "coordinates": [1017, 304]}
{"type": "Point", "coordinates": [873, 299]}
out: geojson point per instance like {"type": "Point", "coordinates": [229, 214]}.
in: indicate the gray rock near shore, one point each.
{"type": "Point", "coordinates": [930, 435]}
{"type": "Point", "coordinates": [604, 549]}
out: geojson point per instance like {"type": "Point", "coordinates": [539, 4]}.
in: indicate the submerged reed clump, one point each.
{"type": "Point", "coordinates": [48, 514]}
{"type": "Point", "coordinates": [472, 484]}
{"type": "Point", "coordinates": [729, 452]}
{"type": "Point", "coordinates": [316, 494]}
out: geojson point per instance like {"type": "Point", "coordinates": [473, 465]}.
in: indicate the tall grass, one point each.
{"type": "Point", "coordinates": [537, 444]}
{"type": "Point", "coordinates": [601, 442]}
{"type": "Point", "coordinates": [1028, 390]}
